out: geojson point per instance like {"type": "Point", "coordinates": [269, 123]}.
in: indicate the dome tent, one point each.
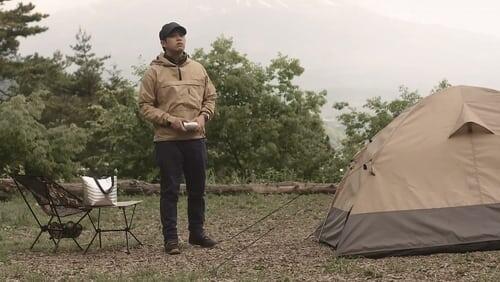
{"type": "Point", "coordinates": [427, 182]}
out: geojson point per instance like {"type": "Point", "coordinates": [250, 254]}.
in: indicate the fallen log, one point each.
{"type": "Point", "coordinates": [135, 187]}
{"type": "Point", "coordinates": [7, 188]}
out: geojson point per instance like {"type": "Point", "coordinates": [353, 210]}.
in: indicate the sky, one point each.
{"type": "Point", "coordinates": [355, 49]}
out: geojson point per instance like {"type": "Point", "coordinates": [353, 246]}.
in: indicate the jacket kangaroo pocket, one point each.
{"type": "Point", "coordinates": [181, 98]}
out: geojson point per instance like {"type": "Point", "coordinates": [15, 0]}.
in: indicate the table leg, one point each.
{"type": "Point", "coordinates": [99, 227]}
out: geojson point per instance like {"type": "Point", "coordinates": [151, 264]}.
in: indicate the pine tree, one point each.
{"type": "Point", "coordinates": [88, 76]}
{"type": "Point", "coordinates": [14, 23]}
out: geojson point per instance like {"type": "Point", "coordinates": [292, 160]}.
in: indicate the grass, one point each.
{"type": "Point", "coordinates": [282, 255]}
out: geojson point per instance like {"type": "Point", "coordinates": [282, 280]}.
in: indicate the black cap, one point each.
{"type": "Point", "coordinates": [167, 29]}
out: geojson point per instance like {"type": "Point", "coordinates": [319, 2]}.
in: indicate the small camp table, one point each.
{"type": "Point", "coordinates": [127, 229]}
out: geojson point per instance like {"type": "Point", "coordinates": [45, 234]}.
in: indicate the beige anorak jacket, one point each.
{"type": "Point", "coordinates": [175, 91]}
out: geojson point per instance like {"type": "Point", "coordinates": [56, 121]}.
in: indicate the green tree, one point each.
{"type": "Point", "coordinates": [30, 147]}
{"type": "Point", "coordinates": [42, 73]}
{"type": "Point", "coordinates": [265, 126]}
{"type": "Point", "coordinates": [27, 145]}
{"type": "Point", "coordinates": [443, 84]}
{"type": "Point", "coordinates": [15, 23]}
{"type": "Point", "coordinates": [74, 93]}
{"type": "Point", "coordinates": [88, 75]}
{"type": "Point", "coordinates": [119, 138]}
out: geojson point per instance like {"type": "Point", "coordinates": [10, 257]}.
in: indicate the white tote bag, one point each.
{"type": "Point", "coordinates": [100, 192]}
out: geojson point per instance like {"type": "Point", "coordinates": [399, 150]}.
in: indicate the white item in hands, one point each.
{"type": "Point", "coordinates": [190, 126]}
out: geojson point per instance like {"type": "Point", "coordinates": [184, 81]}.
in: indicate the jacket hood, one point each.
{"type": "Point", "coordinates": [162, 61]}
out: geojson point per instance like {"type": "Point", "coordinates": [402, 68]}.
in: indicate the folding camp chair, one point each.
{"type": "Point", "coordinates": [56, 202]}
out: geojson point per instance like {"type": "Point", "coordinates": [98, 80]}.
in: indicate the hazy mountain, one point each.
{"type": "Point", "coordinates": [4, 86]}
{"type": "Point", "coordinates": [352, 52]}
{"type": "Point", "coordinates": [335, 131]}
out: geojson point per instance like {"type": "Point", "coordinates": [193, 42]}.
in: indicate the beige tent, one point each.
{"type": "Point", "coordinates": [428, 182]}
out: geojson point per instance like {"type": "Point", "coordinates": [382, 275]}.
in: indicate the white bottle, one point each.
{"type": "Point", "coordinates": [190, 126]}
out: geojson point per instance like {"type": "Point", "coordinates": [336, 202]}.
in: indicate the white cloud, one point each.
{"type": "Point", "coordinates": [265, 3]}
{"type": "Point", "coordinates": [329, 2]}
{"type": "Point", "coordinates": [204, 8]}
{"type": "Point", "coordinates": [54, 6]}
{"type": "Point", "coordinates": [355, 48]}
{"type": "Point", "coordinates": [283, 4]}
{"type": "Point", "coordinates": [477, 16]}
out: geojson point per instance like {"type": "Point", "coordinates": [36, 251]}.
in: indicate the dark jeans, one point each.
{"type": "Point", "coordinates": [176, 158]}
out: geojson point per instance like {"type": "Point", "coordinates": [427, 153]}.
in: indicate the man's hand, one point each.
{"type": "Point", "coordinates": [176, 123]}
{"type": "Point", "coordinates": [201, 123]}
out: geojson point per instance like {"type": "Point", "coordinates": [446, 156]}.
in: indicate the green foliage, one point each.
{"type": "Point", "coordinates": [27, 144]}
{"type": "Point", "coordinates": [36, 72]}
{"type": "Point", "coordinates": [73, 93]}
{"type": "Point", "coordinates": [264, 124]}
{"type": "Point", "coordinates": [15, 23]}
{"type": "Point", "coordinates": [88, 76]}
{"type": "Point", "coordinates": [443, 84]}
{"type": "Point", "coordinates": [31, 147]}
{"type": "Point", "coordinates": [120, 138]}
{"type": "Point", "coordinates": [69, 117]}
{"type": "Point", "coordinates": [77, 120]}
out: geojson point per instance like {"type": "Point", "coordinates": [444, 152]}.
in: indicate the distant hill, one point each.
{"type": "Point", "coordinates": [335, 131]}
{"type": "Point", "coordinates": [343, 47]}
{"type": "Point", "coordinates": [4, 86]}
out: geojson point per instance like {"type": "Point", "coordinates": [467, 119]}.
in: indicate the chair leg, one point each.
{"type": "Point", "coordinates": [36, 240]}
{"type": "Point", "coordinates": [78, 222]}
{"type": "Point", "coordinates": [90, 244]}
{"type": "Point", "coordinates": [76, 242]}
{"type": "Point", "coordinates": [83, 216]}
{"type": "Point", "coordinates": [56, 245]}
{"type": "Point", "coordinates": [92, 222]}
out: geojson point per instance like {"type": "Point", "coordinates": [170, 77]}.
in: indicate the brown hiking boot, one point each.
{"type": "Point", "coordinates": [201, 240]}
{"type": "Point", "coordinates": [172, 247]}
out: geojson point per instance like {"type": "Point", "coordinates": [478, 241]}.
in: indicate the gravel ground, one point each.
{"type": "Point", "coordinates": [284, 253]}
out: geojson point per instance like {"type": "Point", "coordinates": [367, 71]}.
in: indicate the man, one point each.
{"type": "Point", "coordinates": [176, 90]}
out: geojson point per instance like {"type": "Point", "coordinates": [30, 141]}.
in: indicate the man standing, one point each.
{"type": "Point", "coordinates": [176, 90]}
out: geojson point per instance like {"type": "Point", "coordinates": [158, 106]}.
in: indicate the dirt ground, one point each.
{"type": "Point", "coordinates": [284, 253]}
